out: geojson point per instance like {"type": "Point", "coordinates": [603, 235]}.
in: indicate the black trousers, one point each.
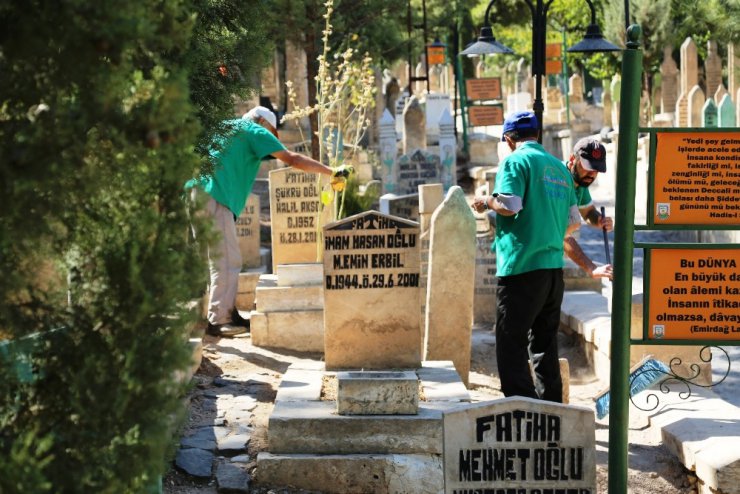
{"type": "Point", "coordinates": [527, 321]}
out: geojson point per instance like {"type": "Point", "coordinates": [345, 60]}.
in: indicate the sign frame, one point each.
{"type": "Point", "coordinates": [490, 85]}
{"type": "Point", "coordinates": [474, 120]}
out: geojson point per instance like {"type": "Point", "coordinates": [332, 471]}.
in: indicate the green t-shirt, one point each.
{"type": "Point", "coordinates": [533, 238]}
{"type": "Point", "coordinates": [237, 156]}
{"type": "Point", "coordinates": [583, 197]}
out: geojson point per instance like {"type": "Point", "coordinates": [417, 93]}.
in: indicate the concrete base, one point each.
{"type": "Point", "coordinates": [312, 447]}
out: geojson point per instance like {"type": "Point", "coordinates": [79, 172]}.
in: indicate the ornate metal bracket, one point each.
{"type": "Point", "coordinates": [671, 378]}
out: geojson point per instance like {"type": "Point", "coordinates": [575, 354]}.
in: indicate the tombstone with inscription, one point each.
{"type": "Point", "coordinates": [430, 197]}
{"type": "Point", "coordinates": [398, 114]}
{"type": "Point", "coordinates": [417, 168]}
{"type": "Point", "coordinates": [726, 116]}
{"type": "Point", "coordinates": [709, 114]}
{"type": "Point", "coordinates": [520, 445]}
{"type": "Point", "coordinates": [689, 77]}
{"type": "Point", "coordinates": [406, 206]}
{"type": "Point", "coordinates": [371, 279]}
{"type": "Point", "coordinates": [696, 100]}
{"type": "Point", "coordinates": [435, 105]}
{"type": "Point", "coordinates": [296, 216]}
{"type": "Point", "coordinates": [669, 81]}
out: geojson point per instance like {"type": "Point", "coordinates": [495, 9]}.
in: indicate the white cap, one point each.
{"type": "Point", "coordinates": [261, 111]}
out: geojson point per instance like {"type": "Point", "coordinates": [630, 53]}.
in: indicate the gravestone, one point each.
{"type": "Point", "coordinates": [669, 76]}
{"type": "Point", "coordinates": [615, 87]}
{"type": "Point", "coordinates": [709, 114]}
{"type": "Point", "coordinates": [696, 102]}
{"type": "Point", "coordinates": [682, 110]}
{"type": "Point", "coordinates": [519, 445]}
{"type": "Point", "coordinates": [296, 73]}
{"type": "Point", "coordinates": [727, 116]}
{"type": "Point", "coordinates": [720, 93]}
{"type": "Point", "coordinates": [388, 152]}
{"type": "Point", "coordinates": [392, 92]}
{"type": "Point", "coordinates": [712, 68]}
{"type": "Point", "coordinates": [398, 114]}
{"type": "Point", "coordinates": [689, 77]}
{"type": "Point", "coordinates": [371, 280]}
{"type": "Point", "coordinates": [733, 70]}
{"type": "Point", "coordinates": [449, 297]}
{"type": "Point", "coordinates": [430, 197]}
{"type": "Point", "coordinates": [435, 105]}
{"type": "Point", "coordinates": [406, 206]}
{"type": "Point", "coordinates": [417, 168]}
{"type": "Point", "coordinates": [479, 68]}
{"type": "Point", "coordinates": [248, 232]}
{"type": "Point", "coordinates": [484, 302]}
{"type": "Point", "coordinates": [522, 76]}
{"type": "Point", "coordinates": [447, 150]}
{"type": "Point", "coordinates": [296, 216]}
{"type": "Point", "coordinates": [414, 127]}
{"type": "Point", "coordinates": [575, 88]}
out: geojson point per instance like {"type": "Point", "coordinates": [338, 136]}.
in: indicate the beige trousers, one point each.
{"type": "Point", "coordinates": [224, 263]}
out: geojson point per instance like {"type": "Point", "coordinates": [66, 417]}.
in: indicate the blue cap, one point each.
{"type": "Point", "coordinates": [521, 120]}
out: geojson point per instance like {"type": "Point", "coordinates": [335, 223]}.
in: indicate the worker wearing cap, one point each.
{"type": "Point", "coordinates": [587, 160]}
{"type": "Point", "coordinates": [535, 203]}
{"type": "Point", "coordinates": [237, 156]}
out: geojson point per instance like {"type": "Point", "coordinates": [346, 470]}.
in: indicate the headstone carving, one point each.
{"type": "Point", "coordinates": [296, 216]}
{"type": "Point", "coordinates": [449, 320]}
{"type": "Point", "coordinates": [519, 445]}
{"type": "Point", "coordinates": [484, 303]}
{"type": "Point", "coordinates": [447, 150]}
{"type": "Point", "coordinates": [417, 168]}
{"type": "Point", "coordinates": [371, 279]}
{"type": "Point", "coordinates": [248, 232]}
{"type": "Point", "coordinates": [669, 85]}
{"type": "Point", "coordinates": [712, 68]}
{"type": "Point", "coordinates": [709, 114]}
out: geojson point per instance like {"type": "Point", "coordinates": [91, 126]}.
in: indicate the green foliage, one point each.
{"type": "Point", "coordinates": [353, 201]}
{"type": "Point", "coordinates": [98, 133]}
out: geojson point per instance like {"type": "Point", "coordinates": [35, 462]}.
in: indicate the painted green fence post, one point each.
{"type": "Point", "coordinates": [623, 244]}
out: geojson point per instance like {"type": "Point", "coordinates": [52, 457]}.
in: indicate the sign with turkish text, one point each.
{"type": "Point", "coordinates": [481, 115]}
{"type": "Point", "coordinates": [553, 67]}
{"type": "Point", "coordinates": [553, 50]}
{"type": "Point", "coordinates": [697, 178]}
{"type": "Point", "coordinates": [694, 294]}
{"type": "Point", "coordinates": [483, 88]}
{"type": "Point", "coordinates": [436, 55]}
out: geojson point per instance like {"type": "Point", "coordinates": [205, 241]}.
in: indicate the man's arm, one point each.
{"type": "Point", "coordinates": [576, 254]}
{"type": "Point", "coordinates": [594, 218]}
{"type": "Point", "coordinates": [505, 205]}
{"type": "Point", "coordinates": [302, 162]}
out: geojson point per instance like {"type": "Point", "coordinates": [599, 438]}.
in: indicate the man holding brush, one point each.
{"type": "Point", "coordinates": [587, 160]}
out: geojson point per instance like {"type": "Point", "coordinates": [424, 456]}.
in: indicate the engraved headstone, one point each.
{"type": "Point", "coordinates": [371, 279]}
{"type": "Point", "coordinates": [484, 303]}
{"type": "Point", "coordinates": [519, 445]}
{"type": "Point", "coordinates": [248, 232]}
{"type": "Point", "coordinates": [435, 105]}
{"type": "Point", "coordinates": [449, 319]}
{"type": "Point", "coordinates": [682, 110]}
{"type": "Point", "coordinates": [447, 150]}
{"type": "Point", "coordinates": [689, 65]}
{"type": "Point", "coordinates": [669, 81]}
{"type": "Point", "coordinates": [398, 115]}
{"type": "Point", "coordinates": [296, 216]}
{"type": "Point", "coordinates": [387, 145]}
{"type": "Point", "coordinates": [727, 116]}
{"type": "Point", "coordinates": [712, 68]}
{"type": "Point", "coordinates": [417, 168]}
{"type": "Point", "coordinates": [406, 206]}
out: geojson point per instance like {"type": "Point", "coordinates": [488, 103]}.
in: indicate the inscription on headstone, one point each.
{"type": "Point", "coordinates": [371, 290]}
{"type": "Point", "coordinates": [248, 232]}
{"type": "Point", "coordinates": [521, 446]}
{"type": "Point", "coordinates": [295, 211]}
{"type": "Point", "coordinates": [417, 168]}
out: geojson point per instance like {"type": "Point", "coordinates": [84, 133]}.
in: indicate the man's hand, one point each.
{"type": "Point", "coordinates": [605, 271]}
{"type": "Point", "coordinates": [480, 203]}
{"type": "Point", "coordinates": [606, 222]}
{"type": "Point", "coordinates": [343, 171]}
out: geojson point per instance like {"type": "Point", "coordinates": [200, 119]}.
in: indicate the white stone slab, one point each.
{"type": "Point", "coordinates": [301, 331]}
{"type": "Point", "coordinates": [287, 298]}
{"type": "Point", "coordinates": [300, 385]}
{"type": "Point", "coordinates": [377, 393]}
{"type": "Point", "coordinates": [300, 274]}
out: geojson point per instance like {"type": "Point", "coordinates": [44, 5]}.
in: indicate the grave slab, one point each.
{"type": "Point", "coordinates": [377, 393]}
{"type": "Point", "coordinates": [302, 331]}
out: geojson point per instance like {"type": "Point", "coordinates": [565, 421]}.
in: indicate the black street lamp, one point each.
{"type": "Point", "coordinates": [593, 42]}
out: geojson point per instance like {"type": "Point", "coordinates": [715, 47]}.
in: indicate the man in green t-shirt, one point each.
{"type": "Point", "coordinates": [535, 204]}
{"type": "Point", "coordinates": [237, 156]}
{"type": "Point", "coordinates": [587, 160]}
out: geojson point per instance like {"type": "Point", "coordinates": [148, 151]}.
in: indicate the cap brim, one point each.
{"type": "Point", "coordinates": [594, 166]}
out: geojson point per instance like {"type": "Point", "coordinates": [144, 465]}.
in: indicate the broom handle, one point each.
{"type": "Point", "coordinates": [606, 237]}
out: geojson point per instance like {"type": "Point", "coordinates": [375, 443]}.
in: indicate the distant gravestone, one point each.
{"type": "Point", "coordinates": [575, 88]}
{"type": "Point", "coordinates": [371, 284]}
{"type": "Point", "coordinates": [414, 127]}
{"type": "Point", "coordinates": [435, 105]}
{"type": "Point", "coordinates": [712, 68]}
{"type": "Point", "coordinates": [430, 197]}
{"type": "Point", "coordinates": [484, 303]}
{"type": "Point", "coordinates": [726, 113]}
{"type": "Point", "coordinates": [398, 115]}
{"type": "Point", "coordinates": [449, 319]}
{"type": "Point", "coordinates": [696, 102]}
{"type": "Point", "coordinates": [682, 110]}
{"type": "Point", "coordinates": [392, 91]}
{"type": "Point", "coordinates": [388, 152]}
{"type": "Point", "coordinates": [720, 93]}
{"type": "Point", "coordinates": [669, 81]}
{"type": "Point", "coordinates": [689, 65]}
{"type": "Point", "coordinates": [295, 208]}
{"type": "Point", "coordinates": [417, 168]}
{"type": "Point", "coordinates": [709, 114]}
{"type": "Point", "coordinates": [519, 446]}
{"type": "Point", "coordinates": [248, 232]}
{"type": "Point", "coordinates": [615, 87]}
{"type": "Point", "coordinates": [733, 70]}
{"type": "Point", "coordinates": [447, 150]}
{"type": "Point", "coordinates": [406, 206]}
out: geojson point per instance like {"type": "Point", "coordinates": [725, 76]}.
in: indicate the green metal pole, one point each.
{"type": "Point", "coordinates": [463, 102]}
{"type": "Point", "coordinates": [564, 61]}
{"type": "Point", "coordinates": [623, 245]}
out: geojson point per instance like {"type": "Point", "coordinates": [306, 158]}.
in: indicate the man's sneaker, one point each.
{"type": "Point", "coordinates": [225, 330]}
{"type": "Point", "coordinates": [238, 320]}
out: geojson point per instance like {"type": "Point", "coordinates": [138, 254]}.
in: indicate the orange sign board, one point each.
{"type": "Point", "coordinates": [483, 88]}
{"type": "Point", "coordinates": [436, 55]}
{"type": "Point", "coordinates": [553, 66]}
{"type": "Point", "coordinates": [485, 115]}
{"type": "Point", "coordinates": [694, 294]}
{"type": "Point", "coordinates": [553, 50]}
{"type": "Point", "coordinates": [697, 178]}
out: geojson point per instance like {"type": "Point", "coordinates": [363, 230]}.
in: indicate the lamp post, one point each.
{"type": "Point", "coordinates": [486, 44]}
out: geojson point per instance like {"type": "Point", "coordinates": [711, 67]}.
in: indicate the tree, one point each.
{"type": "Point", "coordinates": [98, 133]}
